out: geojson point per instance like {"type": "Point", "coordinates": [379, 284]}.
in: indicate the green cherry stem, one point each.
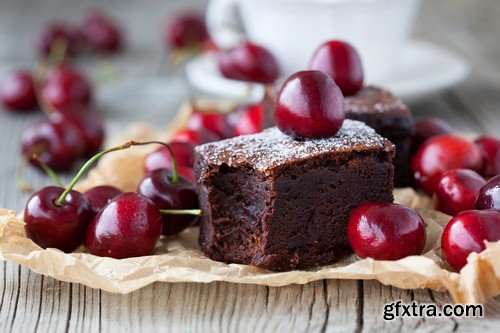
{"type": "Point", "coordinates": [196, 212]}
{"type": "Point", "coordinates": [55, 178]}
{"type": "Point", "coordinates": [96, 157]}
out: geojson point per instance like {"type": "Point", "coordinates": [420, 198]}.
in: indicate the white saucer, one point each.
{"type": "Point", "coordinates": [424, 69]}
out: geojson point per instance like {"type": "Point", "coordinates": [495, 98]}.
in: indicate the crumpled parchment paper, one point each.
{"type": "Point", "coordinates": [179, 259]}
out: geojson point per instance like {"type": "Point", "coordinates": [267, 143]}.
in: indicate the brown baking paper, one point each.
{"type": "Point", "coordinates": [179, 259]}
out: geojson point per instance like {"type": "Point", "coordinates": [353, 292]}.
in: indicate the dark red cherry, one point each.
{"type": "Point", "coordinates": [187, 173]}
{"type": "Point", "coordinates": [213, 122]}
{"type": "Point", "coordinates": [457, 190]}
{"type": "Point", "coordinates": [52, 32]}
{"type": "Point", "coordinates": [440, 154]}
{"type": "Point", "coordinates": [195, 137]}
{"type": "Point", "coordinates": [129, 226]}
{"type": "Point", "coordinates": [160, 158]}
{"type": "Point", "coordinates": [58, 144]}
{"type": "Point", "coordinates": [65, 87]}
{"type": "Point", "coordinates": [88, 122]}
{"type": "Point", "coordinates": [247, 119]}
{"type": "Point", "coordinates": [158, 186]}
{"type": "Point", "coordinates": [342, 62]}
{"type": "Point", "coordinates": [490, 149]}
{"type": "Point", "coordinates": [385, 231]}
{"type": "Point", "coordinates": [186, 30]}
{"type": "Point", "coordinates": [309, 105]}
{"type": "Point", "coordinates": [466, 233]}
{"type": "Point", "coordinates": [101, 32]}
{"type": "Point", "coordinates": [61, 227]}
{"type": "Point", "coordinates": [249, 62]}
{"type": "Point", "coordinates": [18, 91]}
{"type": "Point", "coordinates": [100, 196]}
{"type": "Point", "coordinates": [429, 127]}
{"type": "Point", "coordinates": [489, 195]}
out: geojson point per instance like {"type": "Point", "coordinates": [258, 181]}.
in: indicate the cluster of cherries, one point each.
{"type": "Point", "coordinates": [310, 105]}
{"type": "Point", "coordinates": [112, 223]}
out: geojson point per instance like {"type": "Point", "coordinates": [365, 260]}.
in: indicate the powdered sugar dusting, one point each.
{"type": "Point", "coordinates": [271, 147]}
{"type": "Point", "coordinates": [373, 99]}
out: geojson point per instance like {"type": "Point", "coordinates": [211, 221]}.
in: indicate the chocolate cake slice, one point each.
{"type": "Point", "coordinates": [389, 117]}
{"type": "Point", "coordinates": [274, 202]}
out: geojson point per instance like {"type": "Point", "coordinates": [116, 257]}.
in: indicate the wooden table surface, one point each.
{"type": "Point", "coordinates": [32, 302]}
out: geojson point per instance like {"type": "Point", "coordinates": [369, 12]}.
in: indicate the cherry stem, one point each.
{"type": "Point", "coordinates": [93, 159]}
{"type": "Point", "coordinates": [55, 178]}
{"type": "Point", "coordinates": [21, 182]}
{"type": "Point", "coordinates": [196, 212]}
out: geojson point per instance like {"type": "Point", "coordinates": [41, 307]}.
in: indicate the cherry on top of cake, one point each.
{"type": "Point", "coordinates": [272, 148]}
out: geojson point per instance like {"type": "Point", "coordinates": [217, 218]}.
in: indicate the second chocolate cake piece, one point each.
{"type": "Point", "coordinates": [274, 202]}
{"type": "Point", "coordinates": [389, 117]}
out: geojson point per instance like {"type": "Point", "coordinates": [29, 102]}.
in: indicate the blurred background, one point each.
{"type": "Point", "coordinates": [440, 56]}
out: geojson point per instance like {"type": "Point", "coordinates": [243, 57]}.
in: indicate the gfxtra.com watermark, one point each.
{"type": "Point", "coordinates": [399, 309]}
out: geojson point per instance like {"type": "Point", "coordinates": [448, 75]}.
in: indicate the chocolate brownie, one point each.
{"type": "Point", "coordinates": [278, 203]}
{"type": "Point", "coordinates": [389, 117]}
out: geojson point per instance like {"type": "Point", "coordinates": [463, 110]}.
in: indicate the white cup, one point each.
{"type": "Point", "coordinates": [293, 29]}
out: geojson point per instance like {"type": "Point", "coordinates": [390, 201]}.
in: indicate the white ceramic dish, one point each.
{"type": "Point", "coordinates": [423, 69]}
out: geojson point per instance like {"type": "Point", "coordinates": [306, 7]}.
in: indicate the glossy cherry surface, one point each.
{"type": "Point", "coordinates": [160, 158]}
{"type": "Point", "coordinates": [247, 119]}
{"type": "Point", "coordinates": [457, 190]}
{"type": "Point", "coordinates": [490, 149]}
{"type": "Point", "coordinates": [440, 154]}
{"type": "Point", "coordinates": [309, 105]}
{"type": "Point", "coordinates": [18, 91]}
{"type": "Point", "coordinates": [385, 231]}
{"type": "Point", "coordinates": [129, 226]}
{"type": "Point", "coordinates": [58, 144]}
{"type": "Point", "coordinates": [100, 196]}
{"type": "Point", "coordinates": [489, 195]}
{"type": "Point", "coordinates": [429, 127]}
{"type": "Point", "coordinates": [342, 62]}
{"type": "Point", "coordinates": [466, 233]}
{"type": "Point", "coordinates": [101, 32]}
{"type": "Point", "coordinates": [212, 122]}
{"type": "Point", "coordinates": [61, 227]}
{"type": "Point", "coordinates": [249, 62]}
{"type": "Point", "coordinates": [89, 124]}
{"type": "Point", "coordinates": [186, 30]}
{"type": "Point", "coordinates": [52, 32]}
{"type": "Point", "coordinates": [157, 186]}
{"type": "Point", "coordinates": [195, 137]}
{"type": "Point", "coordinates": [65, 86]}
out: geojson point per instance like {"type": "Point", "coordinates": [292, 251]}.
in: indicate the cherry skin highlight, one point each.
{"type": "Point", "coordinates": [61, 227]}
{"type": "Point", "coordinates": [466, 233]}
{"type": "Point", "coordinates": [457, 190]}
{"type": "Point", "coordinates": [385, 231]}
{"type": "Point", "coordinates": [65, 87]}
{"type": "Point", "coordinates": [159, 188]}
{"type": "Point", "coordinates": [490, 149]}
{"type": "Point", "coordinates": [18, 91]}
{"type": "Point", "coordinates": [129, 226]}
{"type": "Point", "coordinates": [309, 105]}
{"type": "Point", "coordinates": [99, 196]}
{"type": "Point", "coordinates": [440, 154]}
{"type": "Point", "coordinates": [489, 195]}
{"type": "Point", "coordinates": [249, 62]}
{"type": "Point", "coordinates": [342, 62]}
{"type": "Point", "coordinates": [57, 144]}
